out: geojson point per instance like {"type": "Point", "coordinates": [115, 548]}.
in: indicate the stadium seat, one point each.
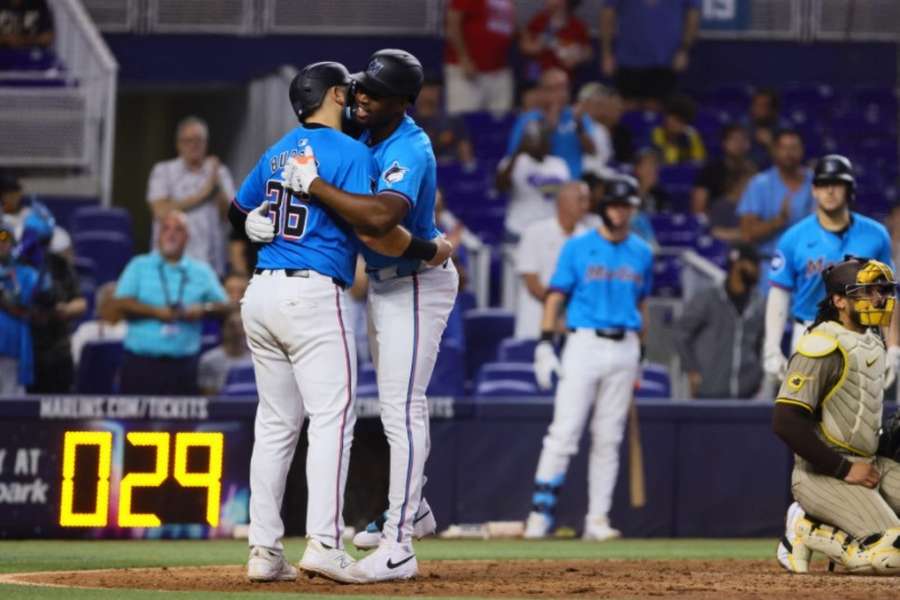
{"type": "Point", "coordinates": [507, 387]}
{"type": "Point", "coordinates": [654, 383]}
{"type": "Point", "coordinates": [641, 123]}
{"type": "Point", "coordinates": [667, 276]}
{"type": "Point", "coordinates": [516, 350]}
{"type": "Point", "coordinates": [98, 368]}
{"type": "Point", "coordinates": [240, 374]}
{"type": "Point", "coordinates": [489, 134]}
{"type": "Point", "coordinates": [506, 371]}
{"type": "Point", "coordinates": [98, 218]}
{"type": "Point", "coordinates": [446, 379]}
{"type": "Point", "coordinates": [239, 388]}
{"type": "Point", "coordinates": [485, 329]}
{"type": "Point", "coordinates": [675, 229]}
{"type": "Point", "coordinates": [110, 252]}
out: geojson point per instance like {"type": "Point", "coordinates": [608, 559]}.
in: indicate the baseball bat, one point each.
{"type": "Point", "coordinates": [637, 487]}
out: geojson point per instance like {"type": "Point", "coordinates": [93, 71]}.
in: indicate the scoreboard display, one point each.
{"type": "Point", "coordinates": [124, 467]}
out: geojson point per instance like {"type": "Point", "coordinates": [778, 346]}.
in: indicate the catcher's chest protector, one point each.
{"type": "Point", "coordinates": [851, 412]}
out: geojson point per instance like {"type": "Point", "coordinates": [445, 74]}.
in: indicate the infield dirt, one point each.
{"type": "Point", "coordinates": [722, 580]}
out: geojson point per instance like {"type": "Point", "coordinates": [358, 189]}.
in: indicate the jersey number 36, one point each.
{"type": "Point", "coordinates": [288, 210]}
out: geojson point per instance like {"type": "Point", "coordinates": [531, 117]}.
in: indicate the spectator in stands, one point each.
{"type": "Point", "coordinates": [654, 198]}
{"type": "Point", "coordinates": [720, 175]}
{"type": "Point", "coordinates": [530, 97]}
{"type": "Point", "coordinates": [448, 134]}
{"type": "Point", "coordinates": [573, 130]}
{"type": "Point", "coordinates": [778, 197]}
{"type": "Point", "coordinates": [241, 254]}
{"type": "Point", "coordinates": [723, 219]}
{"type": "Point", "coordinates": [613, 141]}
{"type": "Point", "coordinates": [556, 39]}
{"type": "Point", "coordinates": [538, 251]}
{"type": "Point", "coordinates": [164, 296]}
{"type": "Point", "coordinates": [25, 24]}
{"type": "Point", "coordinates": [676, 139]}
{"type": "Point", "coordinates": [216, 362]}
{"type": "Point", "coordinates": [719, 335]}
{"type": "Point", "coordinates": [476, 55]}
{"type": "Point", "coordinates": [644, 45]}
{"type": "Point", "coordinates": [763, 121]}
{"type": "Point", "coordinates": [17, 209]}
{"type": "Point", "coordinates": [531, 178]}
{"type": "Point", "coordinates": [235, 285]}
{"type": "Point", "coordinates": [197, 185]}
{"type": "Point", "coordinates": [17, 285]}
{"type": "Point", "coordinates": [57, 306]}
{"type": "Point", "coordinates": [106, 327]}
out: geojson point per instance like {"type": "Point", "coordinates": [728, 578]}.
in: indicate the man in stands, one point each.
{"type": "Point", "coordinates": [538, 251]}
{"type": "Point", "coordinates": [476, 55]}
{"type": "Point", "coordinates": [232, 352]}
{"type": "Point", "coordinates": [556, 38]}
{"type": "Point", "coordinates": [17, 284]}
{"type": "Point", "coordinates": [776, 198]}
{"type": "Point", "coordinates": [108, 326]}
{"type": "Point", "coordinates": [199, 186]}
{"type": "Point", "coordinates": [531, 177]}
{"type": "Point", "coordinates": [447, 133]}
{"type": "Point", "coordinates": [572, 130]}
{"type": "Point", "coordinates": [719, 175]}
{"type": "Point", "coordinates": [644, 45]}
{"type": "Point", "coordinates": [676, 140]}
{"type": "Point", "coordinates": [164, 296]}
{"type": "Point", "coordinates": [16, 209]}
{"type": "Point", "coordinates": [25, 24]}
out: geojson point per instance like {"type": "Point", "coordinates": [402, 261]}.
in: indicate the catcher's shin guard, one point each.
{"type": "Point", "coordinates": [882, 551]}
{"type": "Point", "coordinates": [837, 545]}
{"type": "Point", "coordinates": [792, 553]}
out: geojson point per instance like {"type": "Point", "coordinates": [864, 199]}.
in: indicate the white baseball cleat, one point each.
{"type": "Point", "coordinates": [269, 565]}
{"type": "Point", "coordinates": [390, 561]}
{"type": "Point", "coordinates": [424, 524]}
{"type": "Point", "coordinates": [597, 529]}
{"type": "Point", "coordinates": [537, 526]}
{"type": "Point", "coordinates": [792, 553]}
{"type": "Point", "coordinates": [331, 563]}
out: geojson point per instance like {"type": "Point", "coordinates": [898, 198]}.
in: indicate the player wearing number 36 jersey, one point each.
{"type": "Point", "coordinates": [295, 317]}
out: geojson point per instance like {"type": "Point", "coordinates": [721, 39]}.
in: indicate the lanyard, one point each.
{"type": "Point", "coordinates": [165, 286]}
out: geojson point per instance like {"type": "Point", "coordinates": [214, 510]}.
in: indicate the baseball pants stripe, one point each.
{"type": "Point", "coordinates": [340, 481]}
{"type": "Point", "coordinates": [405, 350]}
{"type": "Point", "coordinates": [293, 330]}
{"type": "Point", "coordinates": [409, 394]}
{"type": "Point", "coordinates": [858, 510]}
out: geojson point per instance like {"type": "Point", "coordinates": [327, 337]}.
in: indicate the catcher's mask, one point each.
{"type": "Point", "coordinates": [868, 284]}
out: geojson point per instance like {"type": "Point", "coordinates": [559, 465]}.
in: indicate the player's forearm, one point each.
{"type": "Point", "coordinates": [755, 229]}
{"type": "Point", "coordinates": [370, 215]}
{"type": "Point", "coordinates": [893, 335]}
{"type": "Point", "coordinates": [534, 286]}
{"type": "Point", "coordinates": [777, 305]}
{"type": "Point", "coordinates": [131, 308]}
{"type": "Point", "coordinates": [607, 29]}
{"type": "Point", "coordinates": [392, 244]}
{"type": "Point", "coordinates": [552, 304]}
{"type": "Point", "coordinates": [797, 429]}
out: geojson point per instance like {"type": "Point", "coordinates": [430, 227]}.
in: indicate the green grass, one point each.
{"type": "Point", "coordinates": [25, 556]}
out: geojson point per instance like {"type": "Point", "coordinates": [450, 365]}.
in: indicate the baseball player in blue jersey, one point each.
{"type": "Point", "coordinates": [602, 277]}
{"type": "Point", "coordinates": [804, 251]}
{"type": "Point", "coordinates": [409, 301]}
{"type": "Point", "coordinates": [295, 317]}
{"type": "Point", "coordinates": [823, 238]}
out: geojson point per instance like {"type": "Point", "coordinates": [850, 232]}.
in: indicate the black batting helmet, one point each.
{"type": "Point", "coordinates": [835, 168]}
{"type": "Point", "coordinates": [392, 72]}
{"type": "Point", "coordinates": [308, 88]}
{"type": "Point", "coordinates": [621, 189]}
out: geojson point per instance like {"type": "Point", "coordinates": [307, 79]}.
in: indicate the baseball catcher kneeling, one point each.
{"type": "Point", "coordinates": [846, 482]}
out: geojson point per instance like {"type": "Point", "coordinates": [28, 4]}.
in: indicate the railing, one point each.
{"type": "Point", "coordinates": [869, 20]}
{"type": "Point", "coordinates": [113, 16]}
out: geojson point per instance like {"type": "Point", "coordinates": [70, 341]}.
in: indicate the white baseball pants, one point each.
{"type": "Point", "coordinates": [407, 317]}
{"type": "Point", "coordinates": [598, 373]}
{"type": "Point", "coordinates": [305, 362]}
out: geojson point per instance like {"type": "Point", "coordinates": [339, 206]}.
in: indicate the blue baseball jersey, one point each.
{"type": "Point", "coordinates": [406, 167]}
{"type": "Point", "coordinates": [605, 281]}
{"type": "Point", "coordinates": [308, 236]}
{"type": "Point", "coordinates": [807, 248]}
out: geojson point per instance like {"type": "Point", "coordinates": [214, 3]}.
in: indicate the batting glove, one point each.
{"type": "Point", "coordinates": [259, 226]}
{"type": "Point", "coordinates": [546, 363]}
{"type": "Point", "coordinates": [892, 366]}
{"type": "Point", "coordinates": [775, 363]}
{"type": "Point", "coordinates": [300, 172]}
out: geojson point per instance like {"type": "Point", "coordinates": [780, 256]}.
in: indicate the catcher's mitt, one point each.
{"type": "Point", "coordinates": [889, 443]}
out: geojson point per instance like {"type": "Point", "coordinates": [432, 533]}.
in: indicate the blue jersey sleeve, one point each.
{"type": "Point", "coordinates": [404, 170]}
{"type": "Point", "coordinates": [751, 201]}
{"type": "Point", "coordinates": [253, 189]}
{"type": "Point", "coordinates": [782, 272]}
{"type": "Point", "coordinates": [565, 276]}
{"type": "Point", "coordinates": [129, 281]}
{"type": "Point", "coordinates": [647, 279]}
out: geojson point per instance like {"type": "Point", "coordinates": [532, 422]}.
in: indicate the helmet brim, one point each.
{"type": "Point", "coordinates": [366, 83]}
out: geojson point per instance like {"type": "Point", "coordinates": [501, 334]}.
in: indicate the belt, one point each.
{"type": "Point", "coordinates": [394, 272]}
{"type": "Point", "coordinates": [609, 334]}
{"type": "Point", "coordinates": [304, 273]}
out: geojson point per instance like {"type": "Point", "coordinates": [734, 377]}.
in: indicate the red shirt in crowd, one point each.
{"type": "Point", "coordinates": [573, 33]}
{"type": "Point", "coordinates": [488, 27]}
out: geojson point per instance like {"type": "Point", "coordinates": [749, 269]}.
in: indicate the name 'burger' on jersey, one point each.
{"type": "Point", "coordinates": [306, 235]}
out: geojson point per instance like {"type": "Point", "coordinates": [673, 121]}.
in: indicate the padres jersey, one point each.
{"type": "Point", "coordinates": [605, 281]}
{"type": "Point", "coordinates": [807, 248]}
{"type": "Point", "coordinates": [406, 167]}
{"type": "Point", "coordinates": [306, 235]}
